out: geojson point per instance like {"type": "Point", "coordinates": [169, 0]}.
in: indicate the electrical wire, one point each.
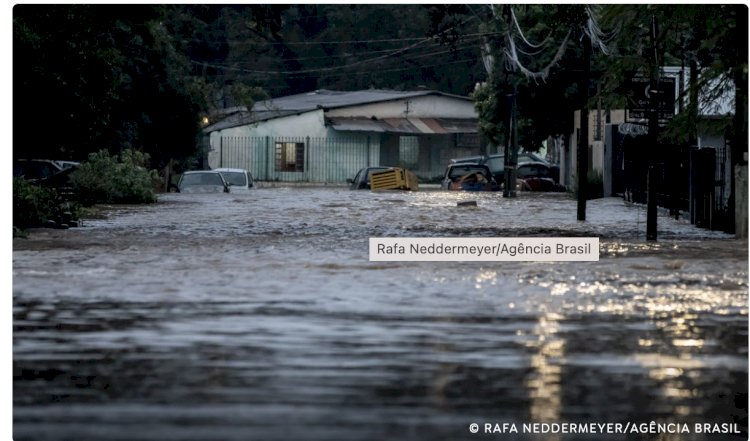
{"type": "Point", "coordinates": [594, 32]}
{"type": "Point", "coordinates": [523, 37]}
{"type": "Point", "coordinates": [356, 63]}
{"type": "Point", "coordinates": [264, 75]}
{"type": "Point", "coordinates": [312, 43]}
{"type": "Point", "coordinates": [295, 73]}
{"type": "Point", "coordinates": [465, 44]}
{"type": "Point", "coordinates": [512, 56]}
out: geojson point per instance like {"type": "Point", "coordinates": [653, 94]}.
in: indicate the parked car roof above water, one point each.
{"type": "Point", "coordinates": [471, 159]}
{"type": "Point", "coordinates": [468, 176]}
{"type": "Point", "coordinates": [202, 181]}
{"type": "Point", "coordinates": [33, 169]}
{"type": "Point", "coordinates": [238, 179]}
{"type": "Point", "coordinates": [536, 176]}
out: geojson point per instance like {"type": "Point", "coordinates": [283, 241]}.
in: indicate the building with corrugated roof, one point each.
{"type": "Point", "coordinates": [326, 136]}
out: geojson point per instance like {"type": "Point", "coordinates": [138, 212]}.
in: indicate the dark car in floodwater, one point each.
{"type": "Point", "coordinates": [536, 176]}
{"type": "Point", "coordinates": [496, 164]}
{"type": "Point", "coordinates": [47, 173]}
{"type": "Point", "coordinates": [205, 181]}
{"type": "Point", "coordinates": [40, 170]}
{"type": "Point", "coordinates": [362, 179]}
{"type": "Point", "coordinates": [468, 177]}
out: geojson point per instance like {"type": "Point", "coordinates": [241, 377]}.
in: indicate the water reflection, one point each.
{"type": "Point", "coordinates": [544, 382]}
{"type": "Point", "coordinates": [259, 317]}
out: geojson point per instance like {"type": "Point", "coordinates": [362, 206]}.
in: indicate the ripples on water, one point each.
{"type": "Point", "coordinates": [258, 317]}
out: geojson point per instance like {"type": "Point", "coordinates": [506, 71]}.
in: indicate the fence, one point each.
{"type": "Point", "coordinates": [318, 160]}
{"type": "Point", "coordinates": [696, 180]}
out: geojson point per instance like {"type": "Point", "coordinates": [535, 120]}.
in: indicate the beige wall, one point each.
{"type": "Point", "coordinates": [568, 161]}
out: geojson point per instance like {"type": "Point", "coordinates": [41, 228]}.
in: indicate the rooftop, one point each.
{"type": "Point", "coordinates": [319, 99]}
{"type": "Point", "coordinates": [329, 99]}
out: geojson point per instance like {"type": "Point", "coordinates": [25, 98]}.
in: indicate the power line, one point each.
{"type": "Point", "coordinates": [262, 75]}
{"type": "Point", "coordinates": [356, 63]}
{"type": "Point", "coordinates": [311, 43]}
{"type": "Point", "coordinates": [296, 73]}
{"type": "Point", "coordinates": [237, 65]}
{"type": "Point", "coordinates": [465, 43]}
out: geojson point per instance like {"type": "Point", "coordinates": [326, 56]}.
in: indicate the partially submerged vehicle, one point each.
{"type": "Point", "coordinates": [361, 180]}
{"type": "Point", "coordinates": [40, 170]}
{"type": "Point", "coordinates": [47, 173]}
{"type": "Point", "coordinates": [202, 181]}
{"type": "Point", "coordinates": [468, 177]}
{"type": "Point", "coordinates": [238, 179]}
{"type": "Point", "coordinates": [535, 176]}
{"type": "Point", "coordinates": [384, 178]}
{"type": "Point", "coordinates": [496, 164]}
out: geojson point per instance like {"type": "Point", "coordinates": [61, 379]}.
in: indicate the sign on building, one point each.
{"type": "Point", "coordinates": [639, 94]}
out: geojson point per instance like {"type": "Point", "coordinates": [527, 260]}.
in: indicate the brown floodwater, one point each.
{"type": "Point", "coordinates": [259, 317]}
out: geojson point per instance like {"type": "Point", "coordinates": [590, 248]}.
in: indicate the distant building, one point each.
{"type": "Point", "coordinates": [326, 136]}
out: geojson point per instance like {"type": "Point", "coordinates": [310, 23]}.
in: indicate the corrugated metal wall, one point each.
{"type": "Point", "coordinates": [334, 159]}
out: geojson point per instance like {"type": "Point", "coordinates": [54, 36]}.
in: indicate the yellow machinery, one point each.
{"type": "Point", "coordinates": [393, 179]}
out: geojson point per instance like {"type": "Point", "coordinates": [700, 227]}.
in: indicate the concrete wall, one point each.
{"type": "Point", "coordinates": [568, 160]}
{"type": "Point", "coordinates": [740, 207]}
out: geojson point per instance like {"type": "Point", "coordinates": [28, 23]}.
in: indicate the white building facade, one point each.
{"type": "Point", "coordinates": [326, 136]}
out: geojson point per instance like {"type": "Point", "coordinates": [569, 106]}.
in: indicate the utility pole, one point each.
{"type": "Point", "coordinates": [508, 131]}
{"type": "Point", "coordinates": [653, 136]}
{"type": "Point", "coordinates": [582, 157]}
{"type": "Point", "coordinates": [510, 161]}
{"type": "Point", "coordinates": [511, 150]}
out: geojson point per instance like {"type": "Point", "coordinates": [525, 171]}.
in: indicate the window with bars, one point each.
{"type": "Point", "coordinates": [290, 156]}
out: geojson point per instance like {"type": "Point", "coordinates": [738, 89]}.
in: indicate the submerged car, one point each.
{"type": "Point", "coordinates": [468, 177]}
{"type": "Point", "coordinates": [46, 172]}
{"type": "Point", "coordinates": [205, 181]}
{"type": "Point", "coordinates": [496, 163]}
{"type": "Point", "coordinates": [237, 179]}
{"type": "Point", "coordinates": [36, 169]}
{"type": "Point", "coordinates": [535, 176]}
{"type": "Point", "coordinates": [362, 179]}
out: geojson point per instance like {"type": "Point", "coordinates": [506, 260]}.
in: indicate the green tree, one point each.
{"type": "Point", "coordinates": [93, 76]}
{"type": "Point", "coordinates": [533, 54]}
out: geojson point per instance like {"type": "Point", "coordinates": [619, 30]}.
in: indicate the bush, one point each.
{"type": "Point", "coordinates": [32, 204]}
{"type": "Point", "coordinates": [596, 184]}
{"type": "Point", "coordinates": [123, 179]}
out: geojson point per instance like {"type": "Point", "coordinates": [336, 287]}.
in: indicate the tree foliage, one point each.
{"type": "Point", "coordinates": [118, 179]}
{"type": "Point", "coordinates": [142, 77]}
{"type": "Point", "coordinates": [32, 204]}
{"type": "Point", "coordinates": [715, 36]}
{"type": "Point", "coordinates": [93, 77]}
{"type": "Point", "coordinates": [543, 38]}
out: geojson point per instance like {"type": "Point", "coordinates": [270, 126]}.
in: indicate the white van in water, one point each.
{"type": "Point", "coordinates": [238, 179]}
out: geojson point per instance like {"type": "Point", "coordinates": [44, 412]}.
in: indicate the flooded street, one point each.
{"type": "Point", "coordinates": [259, 317]}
